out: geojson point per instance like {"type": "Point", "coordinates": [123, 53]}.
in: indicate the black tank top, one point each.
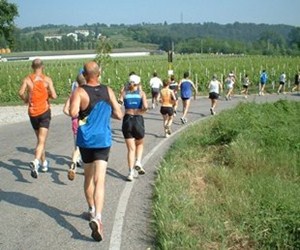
{"type": "Point", "coordinates": [96, 94]}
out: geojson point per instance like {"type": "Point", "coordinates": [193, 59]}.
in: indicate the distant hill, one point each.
{"type": "Point", "coordinates": [185, 37]}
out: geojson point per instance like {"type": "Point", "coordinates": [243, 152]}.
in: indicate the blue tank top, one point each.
{"type": "Point", "coordinates": [94, 129]}
{"type": "Point", "coordinates": [133, 100]}
{"type": "Point", "coordinates": [186, 89]}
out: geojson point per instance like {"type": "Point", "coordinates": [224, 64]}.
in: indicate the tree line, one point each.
{"type": "Point", "coordinates": [237, 38]}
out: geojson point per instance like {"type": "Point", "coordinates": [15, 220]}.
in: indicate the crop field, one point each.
{"type": "Point", "coordinates": [201, 68]}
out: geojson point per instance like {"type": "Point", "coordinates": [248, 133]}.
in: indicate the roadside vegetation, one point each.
{"type": "Point", "coordinates": [232, 182]}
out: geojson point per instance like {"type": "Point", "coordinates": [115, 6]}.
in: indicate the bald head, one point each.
{"type": "Point", "coordinates": [91, 70]}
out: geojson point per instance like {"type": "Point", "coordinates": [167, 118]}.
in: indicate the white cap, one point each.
{"type": "Point", "coordinates": [135, 79]}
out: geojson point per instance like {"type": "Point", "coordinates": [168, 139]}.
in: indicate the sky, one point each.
{"type": "Point", "coordinates": [74, 12]}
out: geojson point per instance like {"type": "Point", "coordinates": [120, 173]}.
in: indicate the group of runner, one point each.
{"type": "Point", "coordinates": [91, 106]}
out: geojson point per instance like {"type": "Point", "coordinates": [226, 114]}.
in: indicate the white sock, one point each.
{"type": "Point", "coordinates": [98, 217]}
{"type": "Point", "coordinates": [92, 209]}
{"type": "Point", "coordinates": [45, 163]}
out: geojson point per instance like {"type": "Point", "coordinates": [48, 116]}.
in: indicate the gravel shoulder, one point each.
{"type": "Point", "coordinates": [15, 114]}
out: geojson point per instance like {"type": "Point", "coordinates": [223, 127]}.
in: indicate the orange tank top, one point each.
{"type": "Point", "coordinates": [38, 97]}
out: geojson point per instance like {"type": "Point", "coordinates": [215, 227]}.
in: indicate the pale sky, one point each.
{"type": "Point", "coordinates": [74, 12]}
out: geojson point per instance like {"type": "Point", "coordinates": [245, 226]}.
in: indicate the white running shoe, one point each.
{"type": "Point", "coordinates": [130, 175]}
{"type": "Point", "coordinates": [34, 169]}
{"type": "Point", "coordinates": [44, 167]}
{"type": "Point", "coordinates": [138, 167]}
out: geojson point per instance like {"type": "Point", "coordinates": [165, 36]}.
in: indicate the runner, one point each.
{"type": "Point", "coordinates": [230, 81]}
{"type": "Point", "coordinates": [36, 90]}
{"type": "Point", "coordinates": [76, 158]}
{"type": "Point", "coordinates": [186, 87]}
{"type": "Point", "coordinates": [167, 100]}
{"type": "Point", "coordinates": [174, 86]}
{"type": "Point", "coordinates": [263, 82]}
{"type": "Point", "coordinates": [94, 104]}
{"type": "Point", "coordinates": [133, 128]}
{"type": "Point", "coordinates": [296, 82]}
{"type": "Point", "coordinates": [246, 83]}
{"type": "Point", "coordinates": [214, 87]}
{"type": "Point", "coordinates": [155, 84]}
{"type": "Point", "coordinates": [282, 80]}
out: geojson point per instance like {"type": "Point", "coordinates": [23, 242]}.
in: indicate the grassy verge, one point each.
{"type": "Point", "coordinates": [233, 182]}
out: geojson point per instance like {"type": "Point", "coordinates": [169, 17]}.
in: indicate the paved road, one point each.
{"type": "Point", "coordinates": [49, 212]}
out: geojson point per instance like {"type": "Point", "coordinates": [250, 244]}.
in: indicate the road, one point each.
{"type": "Point", "coordinates": [50, 212]}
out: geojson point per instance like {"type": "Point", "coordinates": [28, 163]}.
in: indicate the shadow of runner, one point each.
{"type": "Point", "coordinates": [30, 202]}
{"type": "Point", "coordinates": [15, 169]}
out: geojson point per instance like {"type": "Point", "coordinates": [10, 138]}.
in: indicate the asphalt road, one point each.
{"type": "Point", "coordinates": [50, 212]}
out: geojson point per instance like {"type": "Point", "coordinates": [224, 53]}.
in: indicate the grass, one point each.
{"type": "Point", "coordinates": [236, 183]}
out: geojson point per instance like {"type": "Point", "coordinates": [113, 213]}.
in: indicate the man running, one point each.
{"type": "Point", "coordinates": [94, 104]}
{"type": "Point", "coordinates": [186, 87]}
{"type": "Point", "coordinates": [36, 90]}
{"type": "Point", "coordinates": [155, 85]}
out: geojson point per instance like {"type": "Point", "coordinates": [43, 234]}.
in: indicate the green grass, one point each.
{"type": "Point", "coordinates": [233, 182]}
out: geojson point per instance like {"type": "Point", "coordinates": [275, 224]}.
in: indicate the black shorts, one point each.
{"type": "Point", "coordinates": [41, 121]}
{"type": "Point", "coordinates": [281, 83]}
{"type": "Point", "coordinates": [167, 111]}
{"type": "Point", "coordinates": [213, 95]}
{"type": "Point", "coordinates": [245, 86]}
{"type": "Point", "coordinates": [89, 155]}
{"type": "Point", "coordinates": [154, 92]}
{"type": "Point", "coordinates": [133, 127]}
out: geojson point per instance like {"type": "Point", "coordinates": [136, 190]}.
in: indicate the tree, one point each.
{"type": "Point", "coordinates": [8, 12]}
{"type": "Point", "coordinates": [104, 47]}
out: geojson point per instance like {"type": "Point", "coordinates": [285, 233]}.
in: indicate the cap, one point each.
{"type": "Point", "coordinates": [135, 79]}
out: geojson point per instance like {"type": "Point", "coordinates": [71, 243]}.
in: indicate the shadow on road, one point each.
{"type": "Point", "coordinates": [30, 202]}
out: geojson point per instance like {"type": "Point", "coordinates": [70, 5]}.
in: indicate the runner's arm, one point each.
{"type": "Point", "coordinates": [23, 91]}
{"type": "Point", "coordinates": [66, 108]}
{"type": "Point", "coordinates": [52, 92]}
{"type": "Point", "coordinates": [75, 103]}
{"type": "Point", "coordinates": [145, 103]}
{"type": "Point", "coordinates": [116, 109]}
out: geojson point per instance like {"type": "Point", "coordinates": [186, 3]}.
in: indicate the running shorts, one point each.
{"type": "Point", "coordinates": [167, 111]}
{"type": "Point", "coordinates": [133, 127]}
{"type": "Point", "coordinates": [88, 155]}
{"type": "Point", "coordinates": [41, 121]}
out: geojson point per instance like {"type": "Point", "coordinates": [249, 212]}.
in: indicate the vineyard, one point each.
{"type": "Point", "coordinates": [201, 68]}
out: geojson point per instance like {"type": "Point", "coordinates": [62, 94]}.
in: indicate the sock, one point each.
{"type": "Point", "coordinates": [92, 209]}
{"type": "Point", "coordinates": [36, 161]}
{"type": "Point", "coordinates": [45, 163]}
{"type": "Point", "coordinates": [98, 217]}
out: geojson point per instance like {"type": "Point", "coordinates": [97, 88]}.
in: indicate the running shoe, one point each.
{"type": "Point", "coordinates": [130, 175]}
{"type": "Point", "coordinates": [183, 120]}
{"type": "Point", "coordinates": [211, 111]}
{"type": "Point", "coordinates": [44, 168]}
{"type": "Point", "coordinates": [34, 169]}
{"type": "Point", "coordinates": [169, 131]}
{"type": "Point", "coordinates": [72, 171]}
{"type": "Point", "coordinates": [79, 163]}
{"type": "Point", "coordinates": [97, 229]}
{"type": "Point", "coordinates": [138, 167]}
